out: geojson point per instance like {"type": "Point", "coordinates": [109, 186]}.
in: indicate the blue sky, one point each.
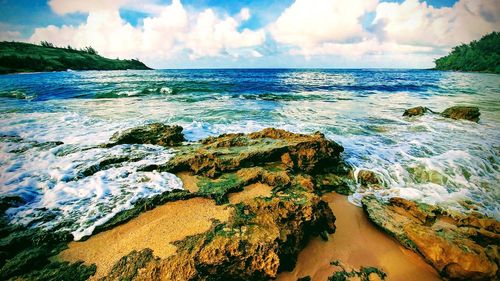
{"type": "Point", "coordinates": [245, 33]}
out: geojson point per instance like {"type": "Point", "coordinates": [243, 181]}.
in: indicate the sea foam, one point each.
{"type": "Point", "coordinates": [54, 185]}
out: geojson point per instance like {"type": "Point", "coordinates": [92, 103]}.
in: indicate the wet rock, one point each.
{"type": "Point", "coordinates": [326, 182]}
{"type": "Point", "coordinates": [463, 247]}
{"type": "Point", "coordinates": [25, 252]}
{"type": "Point", "coordinates": [155, 133]}
{"type": "Point", "coordinates": [366, 177]}
{"type": "Point", "coordinates": [260, 239]}
{"type": "Point", "coordinates": [230, 152]}
{"type": "Point", "coordinates": [364, 273]}
{"type": "Point", "coordinates": [415, 111]}
{"type": "Point", "coordinates": [470, 113]}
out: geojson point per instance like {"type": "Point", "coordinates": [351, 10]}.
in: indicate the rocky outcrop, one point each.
{"type": "Point", "coordinates": [230, 152]}
{"type": "Point", "coordinates": [264, 234]}
{"type": "Point", "coordinates": [463, 247]}
{"type": "Point", "coordinates": [261, 238]}
{"type": "Point", "coordinates": [155, 133]}
{"type": "Point", "coordinates": [470, 113]}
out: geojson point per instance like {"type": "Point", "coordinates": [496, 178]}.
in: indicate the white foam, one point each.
{"type": "Point", "coordinates": [51, 182]}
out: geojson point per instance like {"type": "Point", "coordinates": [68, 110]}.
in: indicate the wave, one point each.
{"type": "Point", "coordinates": [17, 94]}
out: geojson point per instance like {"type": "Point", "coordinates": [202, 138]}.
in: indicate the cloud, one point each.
{"type": "Point", "coordinates": [170, 31]}
{"type": "Point", "coordinates": [104, 30]}
{"type": "Point", "coordinates": [210, 34]}
{"type": "Point", "coordinates": [62, 7]}
{"type": "Point", "coordinates": [409, 32]}
{"type": "Point", "coordinates": [309, 23]}
{"type": "Point", "coordinates": [6, 35]}
{"type": "Point", "coordinates": [416, 23]}
{"type": "Point", "coordinates": [339, 28]}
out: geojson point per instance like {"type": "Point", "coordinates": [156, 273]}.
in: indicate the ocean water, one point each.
{"type": "Point", "coordinates": [429, 159]}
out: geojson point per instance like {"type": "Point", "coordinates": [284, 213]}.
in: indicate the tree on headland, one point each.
{"type": "Point", "coordinates": [46, 44]}
{"type": "Point", "coordinates": [482, 56]}
{"type": "Point", "coordinates": [90, 50]}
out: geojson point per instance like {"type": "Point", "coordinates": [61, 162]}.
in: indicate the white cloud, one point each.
{"type": "Point", "coordinates": [210, 34]}
{"type": "Point", "coordinates": [309, 23]}
{"type": "Point", "coordinates": [71, 6]}
{"type": "Point", "coordinates": [408, 33]}
{"type": "Point", "coordinates": [416, 23]}
{"type": "Point", "coordinates": [168, 32]}
{"type": "Point", "coordinates": [6, 35]}
{"type": "Point", "coordinates": [104, 30]}
{"type": "Point", "coordinates": [338, 28]}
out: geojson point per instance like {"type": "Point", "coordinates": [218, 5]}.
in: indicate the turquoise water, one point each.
{"type": "Point", "coordinates": [428, 159]}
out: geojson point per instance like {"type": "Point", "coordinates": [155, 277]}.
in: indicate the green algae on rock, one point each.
{"type": "Point", "coordinates": [154, 133]}
{"type": "Point", "coordinates": [25, 252]}
{"type": "Point", "coordinates": [463, 247]}
{"type": "Point", "coordinates": [364, 273]}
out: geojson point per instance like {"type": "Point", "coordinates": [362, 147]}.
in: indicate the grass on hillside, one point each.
{"type": "Point", "coordinates": [25, 57]}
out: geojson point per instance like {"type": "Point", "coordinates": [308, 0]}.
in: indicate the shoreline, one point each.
{"type": "Point", "coordinates": [256, 206]}
{"type": "Point", "coordinates": [357, 241]}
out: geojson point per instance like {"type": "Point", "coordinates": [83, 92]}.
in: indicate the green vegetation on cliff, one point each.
{"type": "Point", "coordinates": [25, 57]}
{"type": "Point", "coordinates": [482, 56]}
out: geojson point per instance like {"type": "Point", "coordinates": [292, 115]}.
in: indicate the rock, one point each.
{"type": "Point", "coordinates": [264, 234]}
{"type": "Point", "coordinates": [345, 273]}
{"type": "Point", "coordinates": [415, 111]}
{"type": "Point", "coordinates": [155, 133]}
{"type": "Point", "coordinates": [462, 247]}
{"type": "Point", "coordinates": [230, 152]}
{"type": "Point", "coordinates": [470, 113]}
{"type": "Point", "coordinates": [261, 238]}
{"type": "Point", "coordinates": [327, 182]}
{"type": "Point", "coordinates": [366, 177]}
{"type": "Point", "coordinates": [128, 266]}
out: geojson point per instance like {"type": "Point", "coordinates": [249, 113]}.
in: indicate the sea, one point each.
{"type": "Point", "coordinates": [429, 159]}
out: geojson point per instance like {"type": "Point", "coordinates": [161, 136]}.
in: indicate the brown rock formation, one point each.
{"type": "Point", "coordinates": [463, 247]}
{"type": "Point", "coordinates": [261, 238]}
{"type": "Point", "coordinates": [470, 113]}
{"type": "Point", "coordinates": [264, 234]}
{"type": "Point", "coordinates": [230, 152]}
{"type": "Point", "coordinates": [415, 111]}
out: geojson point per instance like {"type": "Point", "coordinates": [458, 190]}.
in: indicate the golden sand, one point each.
{"type": "Point", "coordinates": [154, 229]}
{"type": "Point", "coordinates": [250, 192]}
{"type": "Point", "coordinates": [189, 181]}
{"type": "Point", "coordinates": [357, 242]}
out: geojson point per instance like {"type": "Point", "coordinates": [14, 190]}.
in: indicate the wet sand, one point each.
{"type": "Point", "coordinates": [357, 242]}
{"type": "Point", "coordinates": [154, 229]}
{"type": "Point", "coordinates": [249, 192]}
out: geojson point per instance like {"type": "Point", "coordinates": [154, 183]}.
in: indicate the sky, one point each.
{"type": "Point", "coordinates": [256, 34]}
